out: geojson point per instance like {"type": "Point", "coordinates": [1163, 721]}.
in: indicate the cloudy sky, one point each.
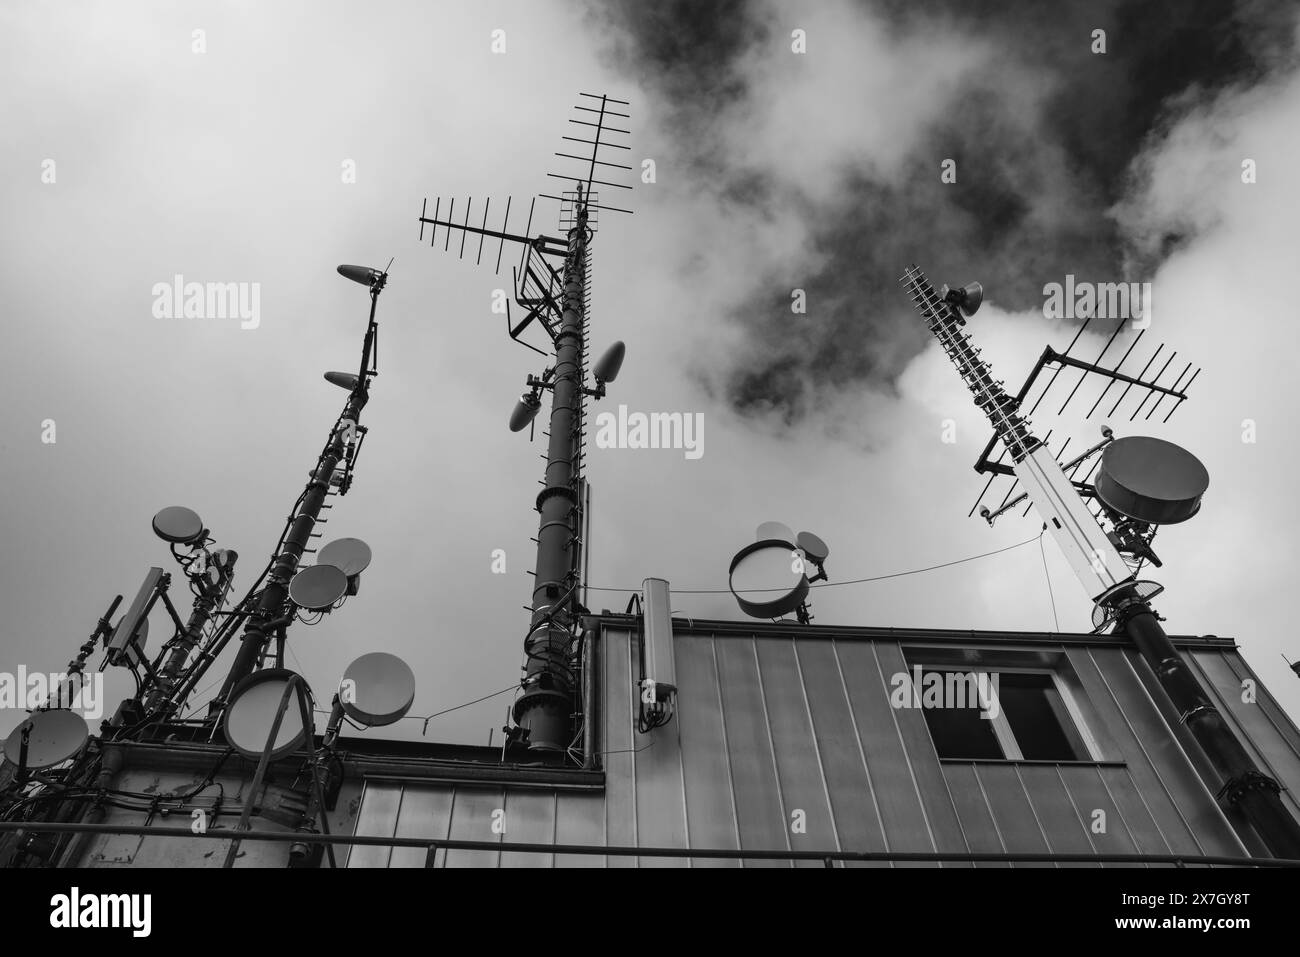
{"type": "Point", "coordinates": [130, 158]}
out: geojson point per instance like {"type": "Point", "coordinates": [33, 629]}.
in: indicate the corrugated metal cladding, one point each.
{"type": "Point", "coordinates": [776, 723]}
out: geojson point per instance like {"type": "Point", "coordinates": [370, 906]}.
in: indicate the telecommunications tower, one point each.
{"type": "Point", "coordinates": [551, 285]}
{"type": "Point", "coordinates": [1141, 483]}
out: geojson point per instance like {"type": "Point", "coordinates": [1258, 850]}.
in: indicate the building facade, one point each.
{"type": "Point", "coordinates": [804, 744]}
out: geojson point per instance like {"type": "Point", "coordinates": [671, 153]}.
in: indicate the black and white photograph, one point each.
{"type": "Point", "coordinates": [855, 435]}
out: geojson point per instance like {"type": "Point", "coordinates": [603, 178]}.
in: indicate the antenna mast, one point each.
{"type": "Point", "coordinates": [557, 301]}
{"type": "Point", "coordinates": [1095, 559]}
{"type": "Point", "coordinates": [274, 611]}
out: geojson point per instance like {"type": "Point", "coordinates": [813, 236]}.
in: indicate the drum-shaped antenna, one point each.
{"type": "Point", "coordinates": [774, 531]}
{"type": "Point", "coordinates": [525, 411]}
{"type": "Point", "coordinates": [349, 555]}
{"type": "Point", "coordinates": [813, 547]}
{"type": "Point", "coordinates": [764, 579]}
{"type": "Point", "coordinates": [362, 274]}
{"type": "Point", "coordinates": [1151, 480]}
{"type": "Point", "coordinates": [178, 525]}
{"type": "Point", "coordinates": [319, 587]}
{"type": "Point", "coordinates": [377, 689]}
{"type": "Point", "coordinates": [55, 736]}
{"type": "Point", "coordinates": [344, 380]}
{"type": "Point", "coordinates": [607, 366]}
{"type": "Point", "coordinates": [252, 711]}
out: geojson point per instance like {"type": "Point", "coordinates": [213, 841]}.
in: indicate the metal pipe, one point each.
{"type": "Point", "coordinates": [545, 709]}
{"type": "Point", "coordinates": [589, 717]}
{"type": "Point", "coordinates": [210, 596]}
{"type": "Point", "coordinates": [1243, 784]}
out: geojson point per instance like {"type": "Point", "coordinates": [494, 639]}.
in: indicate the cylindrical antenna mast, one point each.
{"type": "Point", "coordinates": [547, 704]}
{"type": "Point", "coordinates": [266, 616]}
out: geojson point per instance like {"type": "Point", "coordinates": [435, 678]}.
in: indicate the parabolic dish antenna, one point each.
{"type": "Point", "coordinates": [813, 547]}
{"type": "Point", "coordinates": [349, 555]}
{"type": "Point", "coordinates": [774, 531]}
{"type": "Point", "coordinates": [252, 711]}
{"type": "Point", "coordinates": [764, 580]}
{"type": "Point", "coordinates": [381, 689]}
{"type": "Point", "coordinates": [318, 587]}
{"type": "Point", "coordinates": [55, 736]}
{"type": "Point", "coordinates": [178, 525]}
{"type": "Point", "coordinates": [1151, 480]}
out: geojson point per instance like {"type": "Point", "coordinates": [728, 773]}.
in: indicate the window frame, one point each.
{"type": "Point", "coordinates": [1085, 728]}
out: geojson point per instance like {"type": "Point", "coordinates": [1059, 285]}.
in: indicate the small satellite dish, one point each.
{"type": "Point", "coordinates": [967, 298]}
{"type": "Point", "coordinates": [607, 366]}
{"type": "Point", "coordinates": [382, 689]}
{"type": "Point", "coordinates": [774, 532]}
{"type": "Point", "coordinates": [178, 525]}
{"type": "Point", "coordinates": [764, 580]}
{"type": "Point", "coordinates": [813, 547]}
{"type": "Point", "coordinates": [344, 380]}
{"type": "Point", "coordinates": [524, 412]}
{"type": "Point", "coordinates": [1151, 480]}
{"type": "Point", "coordinates": [318, 587]}
{"type": "Point", "coordinates": [252, 711]}
{"type": "Point", "coordinates": [55, 736]}
{"type": "Point", "coordinates": [362, 274]}
{"type": "Point", "coordinates": [350, 555]}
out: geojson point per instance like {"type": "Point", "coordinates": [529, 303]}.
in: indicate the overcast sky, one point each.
{"type": "Point", "coordinates": [775, 170]}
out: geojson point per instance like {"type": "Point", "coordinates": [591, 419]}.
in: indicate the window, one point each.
{"type": "Point", "coordinates": [1009, 715]}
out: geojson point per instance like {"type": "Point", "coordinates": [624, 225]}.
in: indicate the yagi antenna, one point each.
{"type": "Point", "coordinates": [1142, 384]}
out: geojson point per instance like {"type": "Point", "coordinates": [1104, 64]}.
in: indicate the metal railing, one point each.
{"type": "Point", "coordinates": [827, 858]}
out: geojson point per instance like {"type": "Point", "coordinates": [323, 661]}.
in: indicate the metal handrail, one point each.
{"type": "Point", "coordinates": [432, 844]}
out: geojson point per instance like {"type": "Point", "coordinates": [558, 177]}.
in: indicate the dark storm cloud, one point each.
{"type": "Point", "coordinates": [1033, 191]}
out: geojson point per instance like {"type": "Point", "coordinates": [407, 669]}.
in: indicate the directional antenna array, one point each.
{"type": "Point", "coordinates": [599, 142]}
{"type": "Point", "coordinates": [1151, 389]}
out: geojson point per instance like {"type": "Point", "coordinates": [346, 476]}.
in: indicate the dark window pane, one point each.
{"type": "Point", "coordinates": [1038, 718]}
{"type": "Point", "coordinates": [962, 733]}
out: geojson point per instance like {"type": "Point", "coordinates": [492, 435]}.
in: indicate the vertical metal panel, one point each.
{"type": "Point", "coordinates": [1011, 810]}
{"type": "Point", "coordinates": [1127, 712]}
{"type": "Point", "coordinates": [579, 819]}
{"type": "Point", "coordinates": [618, 739]}
{"type": "Point", "coordinates": [424, 812]}
{"type": "Point", "coordinates": [529, 819]}
{"type": "Point", "coordinates": [896, 793]}
{"type": "Point", "coordinates": [930, 782]}
{"type": "Point", "coordinates": [852, 795]}
{"type": "Point", "coordinates": [471, 820]}
{"type": "Point", "coordinates": [1089, 796]}
{"type": "Point", "coordinates": [973, 811]}
{"type": "Point", "coordinates": [377, 815]}
{"type": "Point", "coordinates": [1135, 810]}
{"type": "Point", "coordinates": [795, 746]}
{"type": "Point", "coordinates": [759, 814]}
{"type": "Point", "coordinates": [710, 806]}
{"type": "Point", "coordinates": [1263, 734]}
{"type": "Point", "coordinates": [1056, 813]}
